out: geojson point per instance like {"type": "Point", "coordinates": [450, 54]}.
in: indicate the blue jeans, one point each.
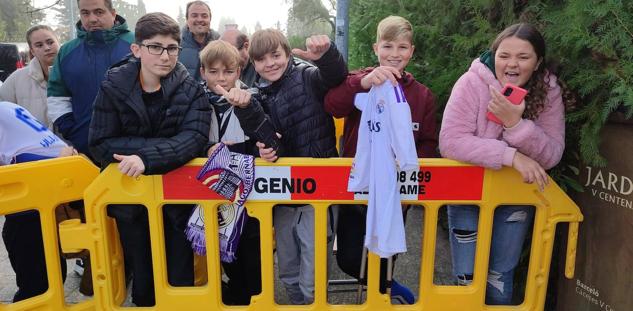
{"type": "Point", "coordinates": [510, 226]}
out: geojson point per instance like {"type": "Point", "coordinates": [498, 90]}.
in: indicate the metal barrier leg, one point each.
{"type": "Point", "coordinates": [361, 276]}
{"type": "Point", "coordinates": [389, 274]}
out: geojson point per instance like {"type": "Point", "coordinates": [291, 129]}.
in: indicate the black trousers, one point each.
{"type": "Point", "coordinates": [350, 235]}
{"type": "Point", "coordinates": [135, 240]}
{"type": "Point", "coordinates": [22, 236]}
{"type": "Point", "coordinates": [245, 273]}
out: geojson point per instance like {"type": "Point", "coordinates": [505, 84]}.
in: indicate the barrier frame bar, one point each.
{"type": "Point", "coordinates": [498, 188]}
{"type": "Point", "coordinates": [42, 186]}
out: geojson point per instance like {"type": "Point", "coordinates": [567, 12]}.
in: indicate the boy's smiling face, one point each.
{"type": "Point", "coordinates": [396, 53]}
{"type": "Point", "coordinates": [156, 65]}
{"type": "Point", "coordinates": [272, 65]}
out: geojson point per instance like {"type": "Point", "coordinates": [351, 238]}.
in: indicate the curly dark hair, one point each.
{"type": "Point", "coordinates": [538, 84]}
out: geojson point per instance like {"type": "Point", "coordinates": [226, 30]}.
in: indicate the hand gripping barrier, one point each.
{"type": "Point", "coordinates": [320, 182]}
{"type": "Point", "coordinates": [42, 186]}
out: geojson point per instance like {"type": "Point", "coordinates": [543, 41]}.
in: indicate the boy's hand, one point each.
{"type": "Point", "coordinates": [130, 165]}
{"type": "Point", "coordinates": [212, 149]}
{"type": "Point", "coordinates": [67, 152]}
{"type": "Point", "coordinates": [379, 75]}
{"type": "Point", "coordinates": [316, 46]}
{"type": "Point", "coordinates": [267, 154]}
{"type": "Point", "coordinates": [235, 96]}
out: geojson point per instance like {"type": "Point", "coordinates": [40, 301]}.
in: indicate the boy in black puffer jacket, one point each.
{"type": "Point", "coordinates": [151, 117]}
{"type": "Point", "coordinates": [291, 94]}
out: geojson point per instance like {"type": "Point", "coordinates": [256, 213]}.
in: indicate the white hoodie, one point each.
{"type": "Point", "coordinates": [27, 88]}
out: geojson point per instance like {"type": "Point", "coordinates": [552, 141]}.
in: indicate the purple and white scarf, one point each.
{"type": "Point", "coordinates": [231, 175]}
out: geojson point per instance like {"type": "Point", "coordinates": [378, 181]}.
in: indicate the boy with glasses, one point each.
{"type": "Point", "coordinates": [151, 117]}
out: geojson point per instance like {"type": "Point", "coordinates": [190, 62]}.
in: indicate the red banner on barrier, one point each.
{"type": "Point", "coordinates": [330, 183]}
{"type": "Point", "coordinates": [452, 183]}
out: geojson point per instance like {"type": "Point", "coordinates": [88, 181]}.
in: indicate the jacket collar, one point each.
{"type": "Point", "coordinates": [189, 41]}
{"type": "Point", "coordinates": [489, 60]}
{"type": "Point", "coordinates": [484, 73]}
{"type": "Point", "coordinates": [36, 72]}
{"type": "Point", "coordinates": [123, 82]}
{"type": "Point", "coordinates": [103, 36]}
{"type": "Point", "coordinates": [406, 80]}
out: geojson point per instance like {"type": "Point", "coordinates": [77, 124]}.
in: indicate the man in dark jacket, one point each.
{"type": "Point", "coordinates": [196, 35]}
{"type": "Point", "coordinates": [152, 117]}
{"type": "Point", "coordinates": [240, 41]}
{"type": "Point", "coordinates": [102, 40]}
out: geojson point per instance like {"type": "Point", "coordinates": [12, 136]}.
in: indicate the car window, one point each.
{"type": "Point", "coordinates": [9, 60]}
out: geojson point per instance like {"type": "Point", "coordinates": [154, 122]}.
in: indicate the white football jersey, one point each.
{"type": "Point", "coordinates": [23, 138]}
{"type": "Point", "coordinates": [385, 145]}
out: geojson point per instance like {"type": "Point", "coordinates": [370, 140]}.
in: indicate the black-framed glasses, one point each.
{"type": "Point", "coordinates": [155, 49]}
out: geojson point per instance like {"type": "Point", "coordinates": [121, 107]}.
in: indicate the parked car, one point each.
{"type": "Point", "coordinates": [10, 60]}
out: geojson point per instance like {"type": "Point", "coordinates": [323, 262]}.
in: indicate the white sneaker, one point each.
{"type": "Point", "coordinates": [79, 267]}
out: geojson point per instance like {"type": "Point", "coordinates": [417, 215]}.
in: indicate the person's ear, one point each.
{"type": "Point", "coordinates": [136, 50]}
{"type": "Point", "coordinates": [246, 45]}
{"type": "Point", "coordinates": [538, 64]}
{"type": "Point", "coordinates": [375, 46]}
{"type": "Point", "coordinates": [202, 71]}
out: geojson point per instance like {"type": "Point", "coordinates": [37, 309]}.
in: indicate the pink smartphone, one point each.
{"type": "Point", "coordinates": [514, 94]}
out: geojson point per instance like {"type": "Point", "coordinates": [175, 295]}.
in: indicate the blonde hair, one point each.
{"type": "Point", "coordinates": [266, 41]}
{"type": "Point", "coordinates": [219, 51]}
{"type": "Point", "coordinates": [393, 27]}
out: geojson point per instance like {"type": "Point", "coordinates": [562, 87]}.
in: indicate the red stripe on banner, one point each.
{"type": "Point", "coordinates": [451, 183]}
{"type": "Point", "coordinates": [181, 184]}
{"type": "Point", "coordinates": [320, 183]}
{"type": "Point", "coordinates": [330, 183]}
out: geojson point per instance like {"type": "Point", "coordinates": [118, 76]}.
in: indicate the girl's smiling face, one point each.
{"type": "Point", "coordinates": [515, 61]}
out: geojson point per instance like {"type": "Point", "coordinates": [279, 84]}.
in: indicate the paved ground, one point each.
{"type": "Point", "coordinates": [406, 271]}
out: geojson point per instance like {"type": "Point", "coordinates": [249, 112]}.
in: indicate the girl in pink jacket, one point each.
{"type": "Point", "coordinates": [530, 139]}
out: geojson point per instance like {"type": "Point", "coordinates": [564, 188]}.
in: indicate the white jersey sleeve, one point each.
{"type": "Point", "coordinates": [359, 174]}
{"type": "Point", "coordinates": [402, 141]}
{"type": "Point", "coordinates": [23, 138]}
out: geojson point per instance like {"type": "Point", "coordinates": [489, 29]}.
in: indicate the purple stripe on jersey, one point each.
{"type": "Point", "coordinates": [395, 90]}
{"type": "Point", "coordinates": [404, 98]}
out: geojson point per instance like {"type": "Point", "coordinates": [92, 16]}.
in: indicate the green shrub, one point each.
{"type": "Point", "coordinates": [590, 40]}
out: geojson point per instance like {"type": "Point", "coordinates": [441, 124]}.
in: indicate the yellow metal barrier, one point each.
{"type": "Point", "coordinates": [339, 126]}
{"type": "Point", "coordinates": [42, 186]}
{"type": "Point", "coordinates": [320, 182]}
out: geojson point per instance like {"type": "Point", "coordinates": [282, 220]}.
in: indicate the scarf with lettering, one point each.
{"type": "Point", "coordinates": [231, 175]}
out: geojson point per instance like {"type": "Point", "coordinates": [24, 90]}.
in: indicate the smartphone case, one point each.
{"type": "Point", "coordinates": [514, 94]}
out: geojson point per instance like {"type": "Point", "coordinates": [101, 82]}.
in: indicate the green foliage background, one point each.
{"type": "Point", "coordinates": [16, 16]}
{"type": "Point", "coordinates": [591, 41]}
